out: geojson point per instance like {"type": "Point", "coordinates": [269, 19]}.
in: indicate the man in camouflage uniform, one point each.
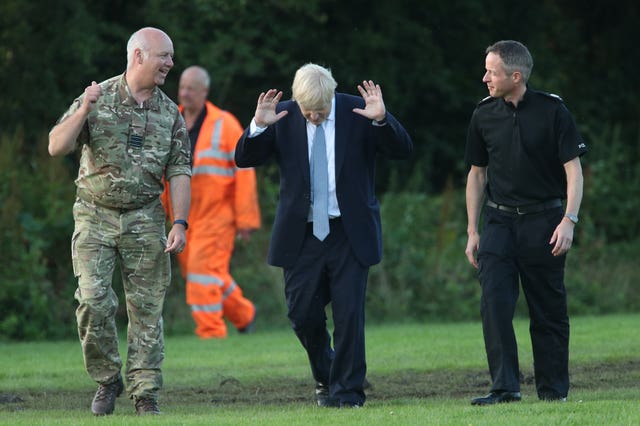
{"type": "Point", "coordinates": [131, 135]}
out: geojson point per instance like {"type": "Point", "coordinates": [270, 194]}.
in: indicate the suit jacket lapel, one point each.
{"type": "Point", "coordinates": [301, 145]}
{"type": "Point", "coordinates": [341, 129]}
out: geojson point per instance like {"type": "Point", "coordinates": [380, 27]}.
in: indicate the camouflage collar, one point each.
{"type": "Point", "coordinates": [126, 99]}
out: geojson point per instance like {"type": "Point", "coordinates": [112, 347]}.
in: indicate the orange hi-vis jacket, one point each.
{"type": "Point", "coordinates": [223, 200]}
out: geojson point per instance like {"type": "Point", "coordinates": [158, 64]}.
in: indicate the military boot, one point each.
{"type": "Point", "coordinates": [146, 405]}
{"type": "Point", "coordinates": [104, 402]}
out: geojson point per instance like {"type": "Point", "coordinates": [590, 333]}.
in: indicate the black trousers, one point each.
{"type": "Point", "coordinates": [328, 272]}
{"type": "Point", "coordinates": [515, 248]}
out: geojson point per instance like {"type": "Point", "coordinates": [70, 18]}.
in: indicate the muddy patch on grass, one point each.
{"type": "Point", "coordinates": [457, 384]}
{"type": "Point", "coordinates": [9, 398]}
{"type": "Point", "coordinates": [419, 384]}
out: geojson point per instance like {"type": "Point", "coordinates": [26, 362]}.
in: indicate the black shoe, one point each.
{"type": "Point", "coordinates": [345, 404]}
{"type": "Point", "coordinates": [146, 406]}
{"type": "Point", "coordinates": [496, 397]}
{"type": "Point", "coordinates": [104, 401]}
{"type": "Point", "coordinates": [322, 395]}
{"type": "Point", "coordinates": [552, 398]}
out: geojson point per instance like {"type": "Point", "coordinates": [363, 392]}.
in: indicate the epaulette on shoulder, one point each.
{"type": "Point", "coordinates": [552, 95]}
{"type": "Point", "coordinates": [486, 100]}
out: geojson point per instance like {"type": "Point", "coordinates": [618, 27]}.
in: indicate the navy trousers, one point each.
{"type": "Point", "coordinates": [515, 248]}
{"type": "Point", "coordinates": [328, 272]}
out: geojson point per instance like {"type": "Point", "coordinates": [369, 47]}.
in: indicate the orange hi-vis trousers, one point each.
{"type": "Point", "coordinates": [224, 200]}
{"type": "Point", "coordinates": [211, 291]}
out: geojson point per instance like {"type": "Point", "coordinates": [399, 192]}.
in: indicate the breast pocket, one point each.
{"type": "Point", "coordinates": [156, 147]}
{"type": "Point", "coordinates": [108, 132]}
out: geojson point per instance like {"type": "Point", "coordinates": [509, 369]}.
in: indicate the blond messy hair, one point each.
{"type": "Point", "coordinates": [313, 87]}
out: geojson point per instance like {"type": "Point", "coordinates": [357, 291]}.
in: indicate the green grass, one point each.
{"type": "Point", "coordinates": [421, 374]}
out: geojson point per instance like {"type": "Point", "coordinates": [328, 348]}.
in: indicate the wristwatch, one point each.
{"type": "Point", "coordinates": [181, 222]}
{"type": "Point", "coordinates": [572, 217]}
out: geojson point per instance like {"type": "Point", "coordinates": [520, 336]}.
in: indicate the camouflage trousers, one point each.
{"type": "Point", "coordinates": [136, 238]}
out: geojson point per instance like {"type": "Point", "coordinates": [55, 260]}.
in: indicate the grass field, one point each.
{"type": "Point", "coordinates": [421, 374]}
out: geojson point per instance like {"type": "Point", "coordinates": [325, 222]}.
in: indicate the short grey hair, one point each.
{"type": "Point", "coordinates": [515, 56]}
{"type": "Point", "coordinates": [201, 73]}
{"type": "Point", "coordinates": [138, 40]}
{"type": "Point", "coordinates": [313, 87]}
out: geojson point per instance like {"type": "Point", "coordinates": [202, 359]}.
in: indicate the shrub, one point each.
{"type": "Point", "coordinates": [35, 205]}
{"type": "Point", "coordinates": [424, 274]}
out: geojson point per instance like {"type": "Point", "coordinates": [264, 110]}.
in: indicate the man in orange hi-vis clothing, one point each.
{"type": "Point", "coordinates": [224, 203]}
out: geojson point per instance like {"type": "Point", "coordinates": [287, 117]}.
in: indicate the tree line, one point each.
{"type": "Point", "coordinates": [428, 57]}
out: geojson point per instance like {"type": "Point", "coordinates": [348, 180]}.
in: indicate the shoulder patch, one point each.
{"type": "Point", "coordinates": [486, 100]}
{"type": "Point", "coordinates": [552, 95]}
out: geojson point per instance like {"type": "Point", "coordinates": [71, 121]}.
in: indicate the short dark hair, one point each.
{"type": "Point", "coordinates": [514, 55]}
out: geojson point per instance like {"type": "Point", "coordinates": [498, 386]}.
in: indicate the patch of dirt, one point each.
{"type": "Point", "coordinates": [407, 384]}
{"type": "Point", "coordinates": [461, 384]}
{"type": "Point", "coordinates": [9, 398]}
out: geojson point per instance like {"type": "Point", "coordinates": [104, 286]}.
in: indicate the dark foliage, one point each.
{"type": "Point", "coordinates": [429, 59]}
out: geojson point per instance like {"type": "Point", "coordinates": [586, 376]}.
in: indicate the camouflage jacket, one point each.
{"type": "Point", "coordinates": [127, 148]}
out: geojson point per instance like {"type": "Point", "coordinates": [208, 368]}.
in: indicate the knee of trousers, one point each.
{"type": "Point", "coordinates": [100, 303]}
{"type": "Point", "coordinates": [306, 323]}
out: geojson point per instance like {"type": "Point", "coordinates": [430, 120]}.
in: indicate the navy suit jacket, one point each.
{"type": "Point", "coordinates": [357, 142]}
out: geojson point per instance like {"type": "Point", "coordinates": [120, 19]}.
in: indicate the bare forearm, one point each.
{"type": "Point", "coordinates": [62, 138]}
{"type": "Point", "coordinates": [180, 196]}
{"type": "Point", "coordinates": [476, 182]}
{"type": "Point", "coordinates": [573, 170]}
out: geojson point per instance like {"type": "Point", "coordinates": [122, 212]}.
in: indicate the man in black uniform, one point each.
{"type": "Point", "coordinates": [524, 151]}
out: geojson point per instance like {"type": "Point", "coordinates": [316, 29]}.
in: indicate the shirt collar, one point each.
{"type": "Point", "coordinates": [522, 101]}
{"type": "Point", "coordinates": [124, 92]}
{"type": "Point", "coordinates": [332, 114]}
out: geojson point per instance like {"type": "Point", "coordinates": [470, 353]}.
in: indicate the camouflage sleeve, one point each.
{"type": "Point", "coordinates": [180, 156]}
{"type": "Point", "coordinates": [83, 137]}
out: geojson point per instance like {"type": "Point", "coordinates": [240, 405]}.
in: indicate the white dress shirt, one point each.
{"type": "Point", "coordinates": [329, 126]}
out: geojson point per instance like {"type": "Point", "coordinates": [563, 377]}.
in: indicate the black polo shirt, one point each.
{"type": "Point", "coordinates": [523, 148]}
{"type": "Point", "coordinates": [194, 132]}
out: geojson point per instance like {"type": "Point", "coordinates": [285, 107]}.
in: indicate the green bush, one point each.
{"type": "Point", "coordinates": [612, 184]}
{"type": "Point", "coordinates": [424, 274]}
{"type": "Point", "coordinates": [35, 206]}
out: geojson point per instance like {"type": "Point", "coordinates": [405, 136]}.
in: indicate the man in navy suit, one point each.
{"type": "Point", "coordinates": [327, 229]}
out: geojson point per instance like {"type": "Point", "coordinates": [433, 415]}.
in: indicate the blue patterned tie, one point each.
{"type": "Point", "coordinates": [320, 185]}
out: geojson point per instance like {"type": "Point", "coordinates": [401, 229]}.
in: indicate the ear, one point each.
{"type": "Point", "coordinates": [516, 77]}
{"type": "Point", "coordinates": [139, 56]}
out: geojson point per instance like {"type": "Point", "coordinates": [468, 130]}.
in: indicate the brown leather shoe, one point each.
{"type": "Point", "coordinates": [104, 401]}
{"type": "Point", "coordinates": [146, 406]}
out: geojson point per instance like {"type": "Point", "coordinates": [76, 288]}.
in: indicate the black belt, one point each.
{"type": "Point", "coordinates": [530, 208]}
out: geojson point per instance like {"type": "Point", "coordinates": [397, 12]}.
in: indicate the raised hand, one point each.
{"type": "Point", "coordinates": [374, 108]}
{"type": "Point", "coordinates": [266, 109]}
{"type": "Point", "coordinates": [91, 95]}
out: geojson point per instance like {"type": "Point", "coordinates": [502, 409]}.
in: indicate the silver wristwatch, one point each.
{"type": "Point", "coordinates": [572, 217]}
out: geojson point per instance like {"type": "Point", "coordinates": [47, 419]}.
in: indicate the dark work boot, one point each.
{"type": "Point", "coordinates": [146, 405]}
{"type": "Point", "coordinates": [104, 402]}
{"type": "Point", "coordinates": [251, 327]}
